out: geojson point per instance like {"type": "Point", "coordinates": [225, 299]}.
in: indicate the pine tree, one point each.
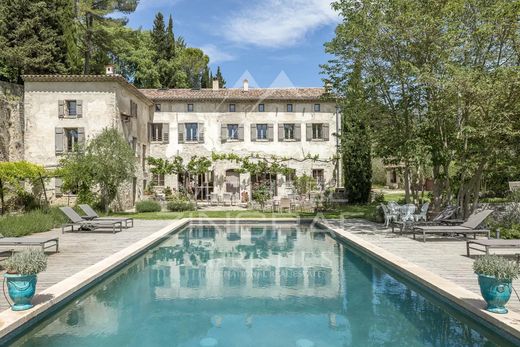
{"type": "Point", "coordinates": [170, 40]}
{"type": "Point", "coordinates": [220, 78]}
{"type": "Point", "coordinates": [355, 139]}
{"type": "Point", "coordinates": [159, 36]}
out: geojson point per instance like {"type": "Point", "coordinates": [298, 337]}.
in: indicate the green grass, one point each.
{"type": "Point", "coordinates": [31, 222]}
{"type": "Point", "coordinates": [348, 211]}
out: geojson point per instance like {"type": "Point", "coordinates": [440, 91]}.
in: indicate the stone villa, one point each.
{"type": "Point", "coordinates": [62, 110]}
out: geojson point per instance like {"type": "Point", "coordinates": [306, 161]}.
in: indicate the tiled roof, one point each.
{"type": "Point", "coordinates": [88, 78]}
{"type": "Point", "coordinates": [235, 94]}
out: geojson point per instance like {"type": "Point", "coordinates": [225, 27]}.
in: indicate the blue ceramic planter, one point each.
{"type": "Point", "coordinates": [21, 289]}
{"type": "Point", "coordinates": [495, 292]}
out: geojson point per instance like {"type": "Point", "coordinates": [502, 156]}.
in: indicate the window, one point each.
{"type": "Point", "coordinates": [157, 107]}
{"type": "Point", "coordinates": [317, 131]}
{"type": "Point", "coordinates": [288, 131]}
{"type": "Point", "coordinates": [317, 107]}
{"type": "Point", "coordinates": [289, 107]}
{"type": "Point", "coordinates": [232, 131]}
{"type": "Point", "coordinates": [261, 131]}
{"type": "Point", "coordinates": [192, 132]}
{"type": "Point", "coordinates": [158, 180]}
{"type": "Point", "coordinates": [133, 109]}
{"type": "Point", "coordinates": [190, 107]}
{"type": "Point", "coordinates": [232, 107]}
{"type": "Point", "coordinates": [72, 110]}
{"type": "Point", "coordinates": [157, 131]}
{"type": "Point", "coordinates": [318, 175]}
{"type": "Point", "coordinates": [71, 139]}
{"type": "Point", "coordinates": [261, 108]}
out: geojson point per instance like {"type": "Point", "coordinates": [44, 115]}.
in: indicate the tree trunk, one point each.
{"type": "Point", "coordinates": [44, 191]}
{"type": "Point", "coordinates": [2, 196]}
{"type": "Point", "coordinates": [89, 20]}
{"type": "Point", "coordinates": [407, 183]}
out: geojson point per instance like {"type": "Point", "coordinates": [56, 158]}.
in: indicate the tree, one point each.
{"type": "Point", "coordinates": [170, 40]}
{"type": "Point", "coordinates": [220, 78]}
{"type": "Point", "coordinates": [355, 141]}
{"type": "Point", "coordinates": [12, 176]}
{"type": "Point", "coordinates": [206, 79]}
{"type": "Point", "coordinates": [107, 162]}
{"type": "Point", "coordinates": [159, 36]}
{"type": "Point", "coordinates": [32, 38]}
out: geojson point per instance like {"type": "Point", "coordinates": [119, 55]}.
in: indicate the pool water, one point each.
{"type": "Point", "coordinates": [254, 285]}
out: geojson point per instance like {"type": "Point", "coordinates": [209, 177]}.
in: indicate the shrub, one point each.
{"type": "Point", "coordinates": [180, 206]}
{"type": "Point", "coordinates": [513, 232]}
{"type": "Point", "coordinates": [499, 267]}
{"type": "Point", "coordinates": [27, 262]}
{"type": "Point", "coordinates": [31, 222]}
{"type": "Point", "coordinates": [378, 198]}
{"type": "Point", "coordinates": [148, 206]}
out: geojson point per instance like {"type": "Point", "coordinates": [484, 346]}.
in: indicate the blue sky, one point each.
{"type": "Point", "coordinates": [275, 43]}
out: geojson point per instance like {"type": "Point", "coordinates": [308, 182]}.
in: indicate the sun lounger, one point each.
{"type": "Point", "coordinates": [443, 218]}
{"type": "Point", "coordinates": [83, 224]}
{"type": "Point", "coordinates": [490, 244]}
{"type": "Point", "coordinates": [43, 242]}
{"type": "Point", "coordinates": [90, 214]}
{"type": "Point", "coordinates": [465, 229]}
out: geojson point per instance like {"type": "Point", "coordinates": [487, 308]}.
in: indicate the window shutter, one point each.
{"type": "Point", "coordinates": [166, 132]}
{"type": "Point", "coordinates": [79, 108]}
{"type": "Point", "coordinates": [181, 132]}
{"type": "Point", "coordinates": [61, 108]}
{"type": "Point", "coordinates": [298, 132]}
{"type": "Point", "coordinates": [280, 133]}
{"type": "Point", "coordinates": [253, 132]}
{"type": "Point", "coordinates": [223, 133]}
{"type": "Point", "coordinates": [57, 187]}
{"type": "Point", "coordinates": [270, 132]}
{"type": "Point", "coordinates": [58, 140]}
{"type": "Point", "coordinates": [241, 132]}
{"type": "Point", "coordinates": [325, 131]}
{"type": "Point", "coordinates": [308, 131]}
{"type": "Point", "coordinates": [201, 132]}
{"type": "Point", "coordinates": [81, 138]}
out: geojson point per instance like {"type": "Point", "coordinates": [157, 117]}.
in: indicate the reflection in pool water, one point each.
{"type": "Point", "coordinates": [253, 285]}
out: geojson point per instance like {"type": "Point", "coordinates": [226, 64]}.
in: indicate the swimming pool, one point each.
{"type": "Point", "coordinates": [278, 284]}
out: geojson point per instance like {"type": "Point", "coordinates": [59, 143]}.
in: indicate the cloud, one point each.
{"type": "Point", "coordinates": [216, 55]}
{"type": "Point", "coordinates": [279, 23]}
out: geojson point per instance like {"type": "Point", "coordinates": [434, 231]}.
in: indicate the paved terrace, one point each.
{"type": "Point", "coordinates": [443, 257]}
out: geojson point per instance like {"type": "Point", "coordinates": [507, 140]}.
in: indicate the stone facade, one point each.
{"type": "Point", "coordinates": [214, 111]}
{"type": "Point", "coordinates": [294, 123]}
{"type": "Point", "coordinates": [62, 111]}
{"type": "Point", "coordinates": [11, 122]}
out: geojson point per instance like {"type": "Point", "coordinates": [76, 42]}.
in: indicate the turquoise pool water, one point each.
{"type": "Point", "coordinates": [254, 285]}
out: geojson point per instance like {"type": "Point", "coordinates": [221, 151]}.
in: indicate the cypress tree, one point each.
{"type": "Point", "coordinates": [206, 79]}
{"type": "Point", "coordinates": [170, 40]}
{"type": "Point", "coordinates": [355, 144]}
{"type": "Point", "coordinates": [159, 35]}
{"type": "Point", "coordinates": [220, 78]}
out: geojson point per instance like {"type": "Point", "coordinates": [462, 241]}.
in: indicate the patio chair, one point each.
{"type": "Point", "coordinates": [86, 224]}
{"type": "Point", "coordinates": [390, 217]}
{"type": "Point", "coordinates": [43, 242]}
{"type": "Point", "coordinates": [442, 218]}
{"type": "Point", "coordinates": [214, 199]}
{"type": "Point", "coordinates": [285, 204]}
{"type": "Point", "coordinates": [422, 215]}
{"type": "Point", "coordinates": [226, 199]}
{"type": "Point", "coordinates": [90, 214]}
{"type": "Point", "coordinates": [407, 212]}
{"type": "Point", "coordinates": [466, 228]}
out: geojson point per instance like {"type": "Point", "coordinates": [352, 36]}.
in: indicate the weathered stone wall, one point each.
{"type": "Point", "coordinates": [11, 122]}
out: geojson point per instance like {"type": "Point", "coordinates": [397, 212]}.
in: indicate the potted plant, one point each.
{"type": "Point", "coordinates": [22, 269]}
{"type": "Point", "coordinates": [495, 277]}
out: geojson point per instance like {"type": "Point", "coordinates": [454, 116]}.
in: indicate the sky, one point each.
{"type": "Point", "coordinates": [273, 43]}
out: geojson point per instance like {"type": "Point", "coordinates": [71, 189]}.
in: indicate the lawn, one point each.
{"type": "Point", "coordinates": [348, 211]}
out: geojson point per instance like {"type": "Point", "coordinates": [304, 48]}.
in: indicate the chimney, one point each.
{"type": "Point", "coordinates": [215, 84]}
{"type": "Point", "coordinates": [109, 70]}
{"type": "Point", "coordinates": [246, 85]}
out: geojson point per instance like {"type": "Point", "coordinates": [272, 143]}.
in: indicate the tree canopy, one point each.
{"type": "Point", "coordinates": [444, 84]}
{"type": "Point", "coordinates": [83, 36]}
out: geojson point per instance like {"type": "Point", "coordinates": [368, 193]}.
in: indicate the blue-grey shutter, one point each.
{"type": "Point", "coordinates": [166, 132]}
{"type": "Point", "coordinates": [253, 132]}
{"type": "Point", "coordinates": [61, 108]}
{"type": "Point", "coordinates": [223, 133]}
{"type": "Point", "coordinates": [181, 130]}
{"type": "Point", "coordinates": [280, 133]}
{"type": "Point", "coordinates": [298, 132]}
{"type": "Point", "coordinates": [270, 132]}
{"type": "Point", "coordinates": [57, 187]}
{"type": "Point", "coordinates": [58, 140]}
{"type": "Point", "coordinates": [201, 132]}
{"type": "Point", "coordinates": [81, 138]}
{"type": "Point", "coordinates": [325, 129]}
{"type": "Point", "coordinates": [241, 132]}
{"type": "Point", "coordinates": [308, 131]}
{"type": "Point", "coordinates": [79, 108]}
